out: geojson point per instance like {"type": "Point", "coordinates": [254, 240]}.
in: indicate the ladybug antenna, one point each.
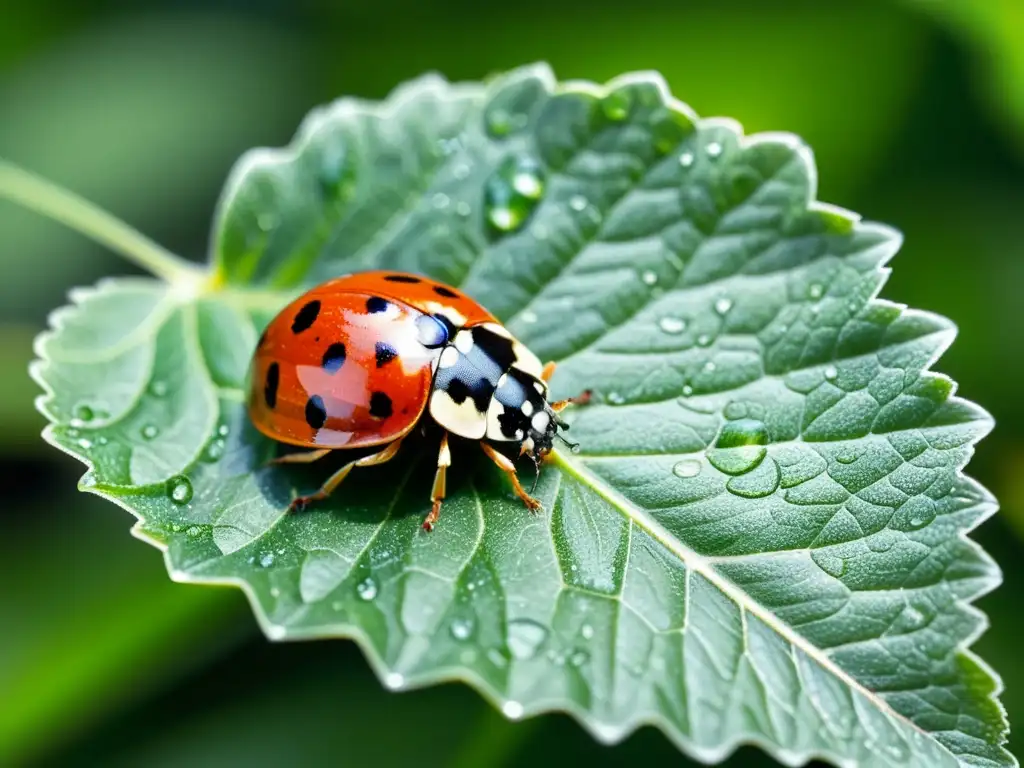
{"type": "Point", "coordinates": [574, 447]}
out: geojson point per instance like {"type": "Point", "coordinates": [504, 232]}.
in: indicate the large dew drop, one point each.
{"type": "Point", "coordinates": [512, 192]}
{"type": "Point", "coordinates": [740, 446]}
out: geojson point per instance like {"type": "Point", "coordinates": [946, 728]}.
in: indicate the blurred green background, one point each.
{"type": "Point", "coordinates": [915, 109]}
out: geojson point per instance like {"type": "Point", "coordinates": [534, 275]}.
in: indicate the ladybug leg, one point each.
{"type": "Point", "coordinates": [581, 399]}
{"type": "Point", "coordinates": [509, 469]}
{"type": "Point", "coordinates": [437, 493]}
{"type": "Point", "coordinates": [301, 502]}
{"type": "Point", "coordinates": [301, 458]}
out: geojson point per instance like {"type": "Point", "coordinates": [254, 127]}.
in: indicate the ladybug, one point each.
{"type": "Point", "coordinates": [360, 360]}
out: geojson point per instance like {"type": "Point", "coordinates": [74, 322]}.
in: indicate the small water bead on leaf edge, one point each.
{"type": "Point", "coordinates": [649, 277]}
{"type": "Point", "coordinates": [713, 149]}
{"type": "Point", "coordinates": [461, 629]}
{"type": "Point", "coordinates": [179, 489]}
{"type": "Point", "coordinates": [394, 680]}
{"type": "Point", "coordinates": [578, 202]}
{"type": "Point", "coordinates": [512, 710]}
{"type": "Point", "coordinates": [512, 192]}
{"type": "Point", "coordinates": [367, 589]}
{"type": "Point", "coordinates": [149, 432]}
{"type": "Point", "coordinates": [686, 159]}
{"type": "Point", "coordinates": [723, 305]}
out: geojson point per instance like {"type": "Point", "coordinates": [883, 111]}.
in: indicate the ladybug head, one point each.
{"type": "Point", "coordinates": [544, 430]}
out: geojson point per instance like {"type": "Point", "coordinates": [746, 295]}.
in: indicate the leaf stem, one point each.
{"type": "Point", "coordinates": [77, 213]}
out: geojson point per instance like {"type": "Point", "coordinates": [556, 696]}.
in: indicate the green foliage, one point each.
{"type": "Point", "coordinates": [762, 538]}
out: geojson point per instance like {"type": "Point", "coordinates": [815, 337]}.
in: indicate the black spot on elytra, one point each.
{"type": "Point", "coordinates": [376, 304]}
{"type": "Point", "coordinates": [402, 278]}
{"type": "Point", "coordinates": [380, 405]}
{"type": "Point", "coordinates": [271, 384]}
{"type": "Point", "coordinates": [481, 390]}
{"type": "Point", "coordinates": [441, 290]}
{"type": "Point", "coordinates": [316, 414]}
{"type": "Point", "coordinates": [334, 357]}
{"type": "Point", "coordinates": [385, 353]}
{"type": "Point", "coordinates": [306, 316]}
{"type": "Point", "coordinates": [498, 348]}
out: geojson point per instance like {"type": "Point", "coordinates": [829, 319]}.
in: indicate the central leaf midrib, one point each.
{"type": "Point", "coordinates": [697, 563]}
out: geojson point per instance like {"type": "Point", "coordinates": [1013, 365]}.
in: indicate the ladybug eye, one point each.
{"type": "Point", "coordinates": [431, 332]}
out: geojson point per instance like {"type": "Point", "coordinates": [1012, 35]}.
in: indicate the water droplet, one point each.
{"type": "Point", "coordinates": [587, 631]}
{"type": "Point", "coordinates": [832, 565]}
{"type": "Point", "coordinates": [882, 541]}
{"type": "Point", "coordinates": [266, 221]}
{"type": "Point", "coordinates": [709, 366]}
{"type": "Point", "coordinates": [616, 105]}
{"type": "Point", "coordinates": [394, 680]}
{"type": "Point", "coordinates": [267, 560]}
{"type": "Point", "coordinates": [687, 390]}
{"type": "Point", "coordinates": [897, 751]}
{"type": "Point", "coordinates": [740, 446]}
{"type": "Point", "coordinates": [723, 305]}
{"type": "Point", "coordinates": [704, 339]}
{"type": "Point", "coordinates": [84, 412]}
{"type": "Point", "coordinates": [180, 489]}
{"type": "Point", "coordinates": [73, 433]}
{"type": "Point", "coordinates": [686, 468]}
{"type": "Point", "coordinates": [149, 431]}
{"type": "Point", "coordinates": [525, 637]}
{"type": "Point", "coordinates": [275, 592]}
{"type": "Point", "coordinates": [686, 159]}
{"type": "Point", "coordinates": [223, 430]}
{"type": "Point", "coordinates": [579, 658]}
{"type": "Point", "coordinates": [158, 389]}
{"type": "Point", "coordinates": [440, 200]}
{"type": "Point", "coordinates": [831, 372]}
{"type": "Point", "coordinates": [913, 617]}
{"type": "Point", "coordinates": [762, 481]}
{"type": "Point", "coordinates": [85, 443]}
{"type": "Point", "coordinates": [816, 290]}
{"type": "Point", "coordinates": [194, 530]}
{"type": "Point", "coordinates": [462, 208]}
{"type": "Point", "coordinates": [461, 171]}
{"type": "Point", "coordinates": [649, 277]}
{"type": "Point", "coordinates": [512, 192]}
{"type": "Point", "coordinates": [102, 440]}
{"type": "Point", "coordinates": [528, 316]}
{"type": "Point", "coordinates": [672, 325]}
{"type": "Point", "coordinates": [366, 589]}
{"type": "Point", "coordinates": [499, 123]}
{"type": "Point", "coordinates": [846, 457]}
{"type": "Point", "coordinates": [577, 202]}
{"type": "Point", "coordinates": [615, 398]}
{"type": "Point", "coordinates": [513, 710]}
{"type": "Point", "coordinates": [214, 451]}
{"type": "Point", "coordinates": [462, 629]}
{"type": "Point", "coordinates": [337, 605]}
{"type": "Point", "coordinates": [714, 149]}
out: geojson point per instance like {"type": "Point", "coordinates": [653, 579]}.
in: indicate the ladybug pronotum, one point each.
{"type": "Point", "coordinates": [359, 361]}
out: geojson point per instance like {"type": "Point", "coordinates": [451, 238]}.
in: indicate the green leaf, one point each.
{"type": "Point", "coordinates": [763, 537]}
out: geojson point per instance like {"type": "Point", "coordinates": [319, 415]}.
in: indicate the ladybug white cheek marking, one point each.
{"type": "Point", "coordinates": [496, 413]}
{"type": "Point", "coordinates": [462, 419]}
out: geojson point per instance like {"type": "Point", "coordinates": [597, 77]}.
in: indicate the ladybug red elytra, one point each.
{"type": "Point", "coordinates": [360, 360]}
